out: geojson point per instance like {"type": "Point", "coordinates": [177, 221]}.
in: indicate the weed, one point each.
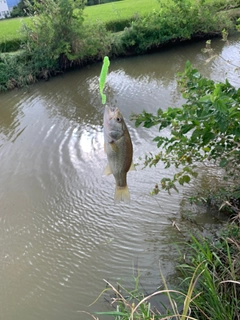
{"type": "Point", "coordinates": [220, 269]}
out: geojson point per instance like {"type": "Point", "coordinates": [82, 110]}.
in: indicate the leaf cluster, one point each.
{"type": "Point", "coordinates": [205, 128]}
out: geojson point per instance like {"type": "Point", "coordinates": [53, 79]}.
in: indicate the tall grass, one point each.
{"type": "Point", "coordinates": [219, 284]}
{"type": "Point", "coordinates": [210, 288]}
{"type": "Point", "coordinates": [133, 305]}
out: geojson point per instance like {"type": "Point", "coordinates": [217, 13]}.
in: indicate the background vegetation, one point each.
{"type": "Point", "coordinates": [120, 14]}
{"type": "Point", "coordinates": [88, 34]}
{"type": "Point", "coordinates": [61, 34]}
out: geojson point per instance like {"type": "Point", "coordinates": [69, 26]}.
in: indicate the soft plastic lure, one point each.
{"type": "Point", "coordinates": [103, 76]}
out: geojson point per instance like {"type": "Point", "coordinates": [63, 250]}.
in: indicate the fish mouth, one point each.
{"type": "Point", "coordinates": [110, 109]}
{"type": "Point", "coordinates": [110, 112]}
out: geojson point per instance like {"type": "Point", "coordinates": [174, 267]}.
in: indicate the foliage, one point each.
{"type": "Point", "coordinates": [14, 72]}
{"type": "Point", "coordinates": [21, 9]}
{"type": "Point", "coordinates": [225, 199]}
{"type": "Point", "coordinates": [210, 287]}
{"type": "Point", "coordinates": [174, 20]}
{"type": "Point", "coordinates": [94, 2]}
{"type": "Point", "coordinates": [205, 128]}
{"type": "Point", "coordinates": [54, 31]}
{"type": "Point", "coordinates": [164, 20]}
{"type": "Point", "coordinates": [119, 24]}
{"type": "Point", "coordinates": [134, 305]}
{"type": "Point", "coordinates": [57, 38]}
{"type": "Point", "coordinates": [219, 264]}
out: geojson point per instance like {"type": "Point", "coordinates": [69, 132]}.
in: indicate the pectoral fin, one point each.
{"type": "Point", "coordinates": [107, 171]}
{"type": "Point", "coordinates": [132, 167]}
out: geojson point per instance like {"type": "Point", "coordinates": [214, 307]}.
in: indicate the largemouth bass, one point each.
{"type": "Point", "coordinates": [119, 149]}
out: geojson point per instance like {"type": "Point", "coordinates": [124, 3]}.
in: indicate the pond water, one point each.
{"type": "Point", "coordinates": [60, 232]}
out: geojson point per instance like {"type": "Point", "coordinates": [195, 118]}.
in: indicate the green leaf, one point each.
{"type": "Point", "coordinates": [112, 313]}
{"type": "Point", "coordinates": [205, 99]}
{"type": "Point", "coordinates": [236, 131]}
{"type": "Point", "coordinates": [220, 106]}
{"type": "Point", "coordinates": [207, 137]}
{"type": "Point", "coordinates": [187, 127]}
{"type": "Point", "coordinates": [223, 163]}
{"type": "Point", "coordinates": [184, 179]}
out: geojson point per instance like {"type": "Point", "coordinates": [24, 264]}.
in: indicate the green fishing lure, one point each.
{"type": "Point", "coordinates": [103, 77]}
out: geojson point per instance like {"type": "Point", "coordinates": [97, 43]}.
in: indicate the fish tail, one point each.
{"type": "Point", "coordinates": [122, 194]}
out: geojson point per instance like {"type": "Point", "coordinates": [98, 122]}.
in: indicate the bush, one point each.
{"type": "Point", "coordinates": [119, 24]}
{"type": "Point", "coordinates": [57, 38]}
{"type": "Point", "coordinates": [10, 45]}
{"type": "Point", "coordinates": [14, 71]}
{"type": "Point", "coordinates": [95, 2]}
{"type": "Point", "coordinates": [205, 128]}
{"type": "Point", "coordinates": [175, 20]}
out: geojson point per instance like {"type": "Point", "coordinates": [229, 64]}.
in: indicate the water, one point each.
{"type": "Point", "coordinates": [60, 233]}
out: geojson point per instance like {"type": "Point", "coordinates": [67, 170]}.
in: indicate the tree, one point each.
{"type": "Point", "coordinates": [21, 9]}
{"type": "Point", "coordinates": [55, 30]}
{"type": "Point", "coordinates": [57, 39]}
{"type": "Point", "coordinates": [205, 128]}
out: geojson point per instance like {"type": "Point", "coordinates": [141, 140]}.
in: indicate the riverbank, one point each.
{"type": "Point", "coordinates": [66, 236]}
{"type": "Point", "coordinates": [84, 43]}
{"type": "Point", "coordinates": [209, 287]}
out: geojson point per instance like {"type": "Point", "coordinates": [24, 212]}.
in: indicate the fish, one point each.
{"type": "Point", "coordinates": [119, 149]}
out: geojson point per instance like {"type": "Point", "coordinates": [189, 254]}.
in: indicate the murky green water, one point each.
{"type": "Point", "coordinates": [60, 233]}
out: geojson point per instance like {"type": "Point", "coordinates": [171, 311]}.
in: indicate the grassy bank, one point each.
{"type": "Point", "coordinates": [124, 9]}
{"type": "Point", "coordinates": [116, 15]}
{"type": "Point", "coordinates": [209, 286]}
{"type": "Point", "coordinates": [10, 29]}
{"type": "Point", "coordinates": [10, 33]}
{"type": "Point", "coordinates": [114, 29]}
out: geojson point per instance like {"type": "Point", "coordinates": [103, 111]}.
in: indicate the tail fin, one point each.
{"type": "Point", "coordinates": [122, 194]}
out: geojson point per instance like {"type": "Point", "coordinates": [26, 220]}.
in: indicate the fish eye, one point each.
{"type": "Point", "coordinates": [119, 119]}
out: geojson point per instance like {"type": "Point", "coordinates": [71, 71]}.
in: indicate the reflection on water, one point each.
{"type": "Point", "coordinates": [60, 233]}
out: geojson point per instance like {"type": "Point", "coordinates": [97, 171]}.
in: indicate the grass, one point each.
{"type": "Point", "coordinates": [219, 284]}
{"type": "Point", "coordinates": [119, 10]}
{"type": "Point", "coordinates": [210, 285]}
{"type": "Point", "coordinates": [10, 28]}
{"type": "Point", "coordinates": [10, 33]}
{"type": "Point", "coordinates": [133, 305]}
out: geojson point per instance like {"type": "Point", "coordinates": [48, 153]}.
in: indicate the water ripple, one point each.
{"type": "Point", "coordinates": [60, 232]}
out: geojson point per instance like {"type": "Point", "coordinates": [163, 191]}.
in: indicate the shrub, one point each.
{"type": "Point", "coordinates": [205, 128]}
{"type": "Point", "coordinates": [10, 45]}
{"type": "Point", "coordinates": [175, 20]}
{"type": "Point", "coordinates": [14, 71]}
{"type": "Point", "coordinates": [119, 24]}
{"type": "Point", "coordinates": [57, 38]}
